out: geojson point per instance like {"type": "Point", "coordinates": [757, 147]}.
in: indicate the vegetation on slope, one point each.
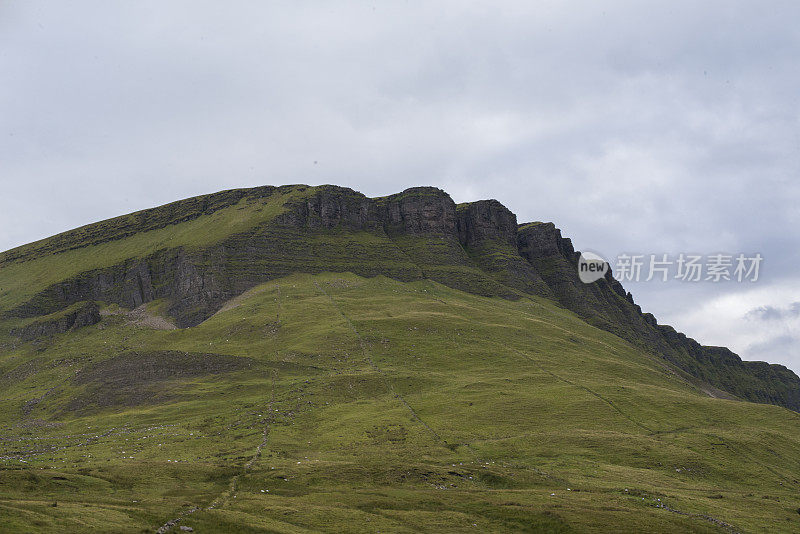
{"type": "Point", "coordinates": [336, 403]}
{"type": "Point", "coordinates": [606, 305]}
{"type": "Point", "coordinates": [456, 376]}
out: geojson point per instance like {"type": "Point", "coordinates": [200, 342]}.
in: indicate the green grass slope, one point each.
{"type": "Point", "coordinates": [192, 224]}
{"type": "Point", "coordinates": [338, 403]}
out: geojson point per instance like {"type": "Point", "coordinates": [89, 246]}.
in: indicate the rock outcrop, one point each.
{"type": "Point", "coordinates": [85, 314]}
{"type": "Point", "coordinates": [488, 232]}
{"type": "Point", "coordinates": [419, 211]}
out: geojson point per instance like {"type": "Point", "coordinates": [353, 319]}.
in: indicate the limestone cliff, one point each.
{"type": "Point", "coordinates": [417, 234]}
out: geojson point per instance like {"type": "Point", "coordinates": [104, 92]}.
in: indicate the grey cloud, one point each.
{"type": "Point", "coordinates": [652, 127]}
{"type": "Point", "coordinates": [786, 344]}
{"type": "Point", "coordinates": [771, 313]}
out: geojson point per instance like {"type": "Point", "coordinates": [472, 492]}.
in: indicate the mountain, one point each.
{"type": "Point", "coordinates": [230, 242]}
{"type": "Point", "coordinates": [302, 358]}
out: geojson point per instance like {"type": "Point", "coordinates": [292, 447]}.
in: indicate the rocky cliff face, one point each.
{"type": "Point", "coordinates": [85, 314]}
{"type": "Point", "coordinates": [487, 231]}
{"type": "Point", "coordinates": [419, 211]}
{"type": "Point", "coordinates": [604, 303]}
{"type": "Point", "coordinates": [417, 234]}
{"type": "Point", "coordinates": [486, 221]}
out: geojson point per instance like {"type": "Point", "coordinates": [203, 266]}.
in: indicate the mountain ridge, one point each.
{"type": "Point", "coordinates": [302, 358]}
{"type": "Point", "coordinates": [417, 234]}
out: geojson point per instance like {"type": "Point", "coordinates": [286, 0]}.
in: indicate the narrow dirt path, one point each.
{"type": "Point", "coordinates": [233, 485]}
{"type": "Point", "coordinates": [585, 388]}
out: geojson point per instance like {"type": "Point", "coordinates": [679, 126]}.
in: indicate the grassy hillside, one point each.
{"type": "Point", "coordinates": [332, 402]}
{"type": "Point", "coordinates": [192, 224]}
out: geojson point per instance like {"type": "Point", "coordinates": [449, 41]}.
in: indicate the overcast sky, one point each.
{"type": "Point", "coordinates": [639, 127]}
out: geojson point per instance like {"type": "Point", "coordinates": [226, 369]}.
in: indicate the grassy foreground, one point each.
{"type": "Point", "coordinates": [334, 403]}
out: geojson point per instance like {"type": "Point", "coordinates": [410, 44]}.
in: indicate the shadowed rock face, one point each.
{"type": "Point", "coordinates": [419, 211]}
{"type": "Point", "coordinates": [486, 220]}
{"type": "Point", "coordinates": [417, 234]}
{"type": "Point", "coordinates": [488, 232]}
{"type": "Point", "coordinates": [604, 303]}
{"type": "Point", "coordinates": [332, 207]}
{"type": "Point", "coordinates": [85, 315]}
